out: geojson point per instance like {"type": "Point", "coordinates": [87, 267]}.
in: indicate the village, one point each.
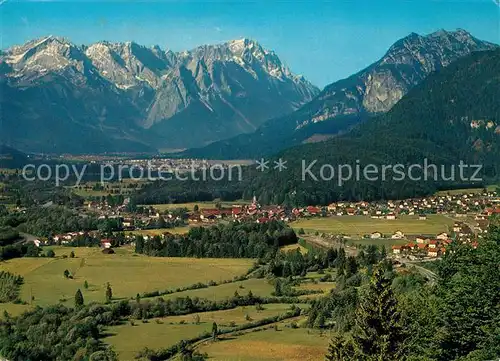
{"type": "Point", "coordinates": [470, 213]}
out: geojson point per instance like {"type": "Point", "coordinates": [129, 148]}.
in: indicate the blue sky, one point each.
{"type": "Point", "coordinates": [322, 40]}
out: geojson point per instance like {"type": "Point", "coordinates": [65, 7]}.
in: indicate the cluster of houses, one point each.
{"type": "Point", "coordinates": [251, 212]}
{"type": "Point", "coordinates": [419, 247]}
{"type": "Point", "coordinates": [482, 205]}
{"type": "Point", "coordinates": [459, 205]}
{"type": "Point", "coordinates": [422, 247]}
{"type": "Point", "coordinates": [474, 208]}
{"type": "Point", "coordinates": [68, 238]}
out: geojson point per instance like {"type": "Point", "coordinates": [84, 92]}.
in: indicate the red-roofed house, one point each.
{"type": "Point", "coordinates": [105, 243]}
{"type": "Point", "coordinates": [396, 249]}
{"type": "Point", "coordinates": [237, 212]}
{"type": "Point", "coordinates": [411, 246]}
{"type": "Point", "coordinates": [433, 243]}
{"type": "Point", "coordinates": [313, 210]}
{"type": "Point", "coordinates": [421, 246]}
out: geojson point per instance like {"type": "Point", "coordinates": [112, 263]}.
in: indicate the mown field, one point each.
{"type": "Point", "coordinates": [159, 333]}
{"type": "Point", "coordinates": [288, 344]}
{"type": "Point", "coordinates": [86, 190]}
{"type": "Point", "coordinates": [159, 231]}
{"type": "Point", "coordinates": [127, 273]}
{"type": "Point", "coordinates": [386, 242]}
{"type": "Point", "coordinates": [293, 247]}
{"type": "Point", "coordinates": [467, 190]}
{"type": "Point", "coordinates": [259, 287]}
{"type": "Point", "coordinates": [361, 225]}
{"type": "Point", "coordinates": [201, 205]}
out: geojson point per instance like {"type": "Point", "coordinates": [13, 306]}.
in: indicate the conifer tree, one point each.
{"type": "Point", "coordinates": [340, 349]}
{"type": "Point", "coordinates": [78, 298]}
{"type": "Point", "coordinates": [109, 293]}
{"type": "Point", "coordinates": [214, 331]}
{"type": "Point", "coordinates": [378, 332]}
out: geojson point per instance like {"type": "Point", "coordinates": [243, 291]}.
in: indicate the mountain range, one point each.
{"type": "Point", "coordinates": [123, 97]}
{"type": "Point", "coordinates": [347, 102]}
{"type": "Point", "coordinates": [236, 99]}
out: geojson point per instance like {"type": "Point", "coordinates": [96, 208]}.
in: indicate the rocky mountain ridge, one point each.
{"type": "Point", "coordinates": [154, 97]}
{"type": "Point", "coordinates": [347, 102]}
{"type": "Point", "coordinates": [409, 61]}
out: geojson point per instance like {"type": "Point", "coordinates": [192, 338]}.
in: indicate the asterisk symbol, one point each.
{"type": "Point", "coordinates": [280, 164]}
{"type": "Point", "coordinates": [262, 164]}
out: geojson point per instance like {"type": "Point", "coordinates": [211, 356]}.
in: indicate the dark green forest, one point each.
{"type": "Point", "coordinates": [234, 240]}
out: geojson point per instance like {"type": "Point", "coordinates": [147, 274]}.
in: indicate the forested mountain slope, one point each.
{"type": "Point", "coordinates": [350, 101]}
{"type": "Point", "coordinates": [453, 116]}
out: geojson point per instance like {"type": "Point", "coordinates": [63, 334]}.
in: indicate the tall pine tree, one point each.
{"type": "Point", "coordinates": [109, 293]}
{"type": "Point", "coordinates": [78, 298]}
{"type": "Point", "coordinates": [340, 349]}
{"type": "Point", "coordinates": [378, 332]}
{"type": "Point", "coordinates": [469, 286]}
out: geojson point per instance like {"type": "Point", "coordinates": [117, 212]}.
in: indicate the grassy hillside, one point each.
{"type": "Point", "coordinates": [128, 274]}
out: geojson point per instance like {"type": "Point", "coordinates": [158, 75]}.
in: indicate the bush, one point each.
{"type": "Point", "coordinates": [326, 278]}
{"type": "Point", "coordinates": [354, 281]}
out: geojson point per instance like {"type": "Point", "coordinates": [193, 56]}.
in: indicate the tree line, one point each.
{"type": "Point", "coordinates": [232, 240]}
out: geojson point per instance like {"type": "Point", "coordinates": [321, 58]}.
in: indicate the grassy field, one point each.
{"type": "Point", "coordinates": [467, 190]}
{"type": "Point", "coordinates": [201, 205]}
{"type": "Point", "coordinates": [321, 286]}
{"type": "Point", "coordinates": [159, 231]}
{"type": "Point", "coordinates": [85, 190]}
{"type": "Point", "coordinates": [128, 340]}
{"type": "Point", "coordinates": [127, 273]}
{"type": "Point", "coordinates": [164, 332]}
{"type": "Point", "coordinates": [87, 193]}
{"type": "Point", "coordinates": [13, 309]}
{"type": "Point", "coordinates": [259, 287]}
{"type": "Point", "coordinates": [287, 344]}
{"type": "Point", "coordinates": [237, 315]}
{"type": "Point", "coordinates": [387, 242]}
{"type": "Point", "coordinates": [361, 225]}
{"type": "Point", "coordinates": [293, 247]}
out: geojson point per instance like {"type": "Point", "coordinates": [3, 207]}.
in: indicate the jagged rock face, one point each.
{"type": "Point", "coordinates": [146, 95]}
{"type": "Point", "coordinates": [345, 103]}
{"type": "Point", "coordinates": [129, 64]}
{"type": "Point", "coordinates": [234, 86]}
{"type": "Point", "coordinates": [34, 62]}
{"type": "Point", "coordinates": [54, 100]}
{"type": "Point", "coordinates": [379, 87]}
